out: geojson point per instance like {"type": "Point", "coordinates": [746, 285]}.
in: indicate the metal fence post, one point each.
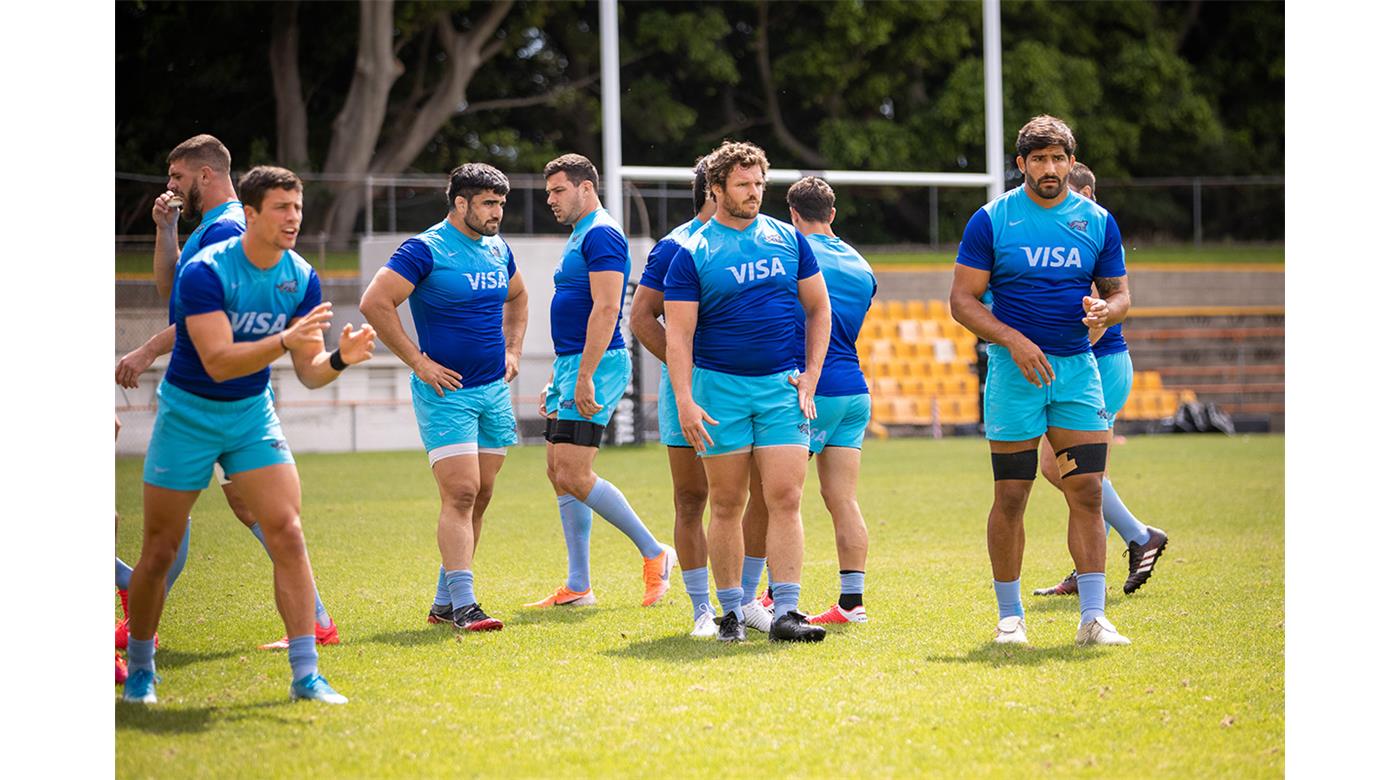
{"type": "Point", "coordinates": [369, 205]}
{"type": "Point", "coordinates": [393, 207]}
{"type": "Point", "coordinates": [933, 217]}
{"type": "Point", "coordinates": [1196, 210]}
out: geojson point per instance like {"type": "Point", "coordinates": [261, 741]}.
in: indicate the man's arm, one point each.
{"type": "Point", "coordinates": [135, 362]}
{"type": "Point", "coordinates": [681, 317]}
{"type": "Point", "coordinates": [1111, 307]}
{"type": "Point", "coordinates": [965, 302]}
{"type": "Point", "coordinates": [380, 304]}
{"type": "Point", "coordinates": [514, 316]}
{"type": "Point", "coordinates": [225, 359]}
{"type": "Point", "coordinates": [167, 252]}
{"type": "Point", "coordinates": [811, 293]}
{"type": "Point", "coordinates": [606, 289]}
{"type": "Point", "coordinates": [313, 363]}
{"type": "Point", "coordinates": [647, 308]}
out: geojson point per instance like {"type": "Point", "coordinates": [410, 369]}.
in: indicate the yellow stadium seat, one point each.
{"type": "Point", "coordinates": [881, 368]}
{"type": "Point", "coordinates": [1148, 380]}
{"type": "Point", "coordinates": [882, 410]}
{"type": "Point", "coordinates": [916, 310]}
{"type": "Point", "coordinates": [884, 386]}
{"type": "Point", "coordinates": [936, 308]}
{"type": "Point", "coordinates": [877, 311]}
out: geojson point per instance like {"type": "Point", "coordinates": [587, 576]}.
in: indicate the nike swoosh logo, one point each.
{"type": "Point", "coordinates": [1016, 222]}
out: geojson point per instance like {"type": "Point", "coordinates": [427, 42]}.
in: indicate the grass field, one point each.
{"type": "Point", "coordinates": [139, 263]}
{"type": "Point", "coordinates": [619, 690]}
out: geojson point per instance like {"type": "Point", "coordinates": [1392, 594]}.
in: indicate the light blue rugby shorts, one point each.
{"type": "Point", "coordinates": [464, 422]}
{"type": "Point", "coordinates": [668, 418]}
{"type": "Point", "coordinates": [752, 411]}
{"type": "Point", "coordinates": [841, 421]}
{"type": "Point", "coordinates": [609, 383]}
{"type": "Point", "coordinates": [1116, 374]}
{"type": "Point", "coordinates": [1016, 410]}
{"type": "Point", "coordinates": [192, 433]}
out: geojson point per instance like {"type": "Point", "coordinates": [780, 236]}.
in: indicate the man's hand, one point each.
{"type": "Point", "coordinates": [544, 393]}
{"type": "Point", "coordinates": [693, 419]}
{"type": "Point", "coordinates": [356, 347]}
{"type": "Point", "coordinates": [162, 214]}
{"type": "Point", "coordinates": [132, 365]}
{"type": "Point", "coordinates": [306, 331]}
{"type": "Point", "coordinates": [806, 393]}
{"type": "Point", "coordinates": [435, 375]}
{"type": "Point", "coordinates": [512, 365]}
{"type": "Point", "coordinates": [1095, 312]}
{"type": "Point", "coordinates": [583, 397]}
{"type": "Point", "coordinates": [1035, 367]}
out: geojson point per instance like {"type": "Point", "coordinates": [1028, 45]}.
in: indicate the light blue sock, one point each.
{"type": "Point", "coordinates": [753, 574]}
{"type": "Point", "coordinates": [608, 501]}
{"type": "Point", "coordinates": [853, 582]}
{"type": "Point", "coordinates": [578, 523]}
{"type": "Point", "coordinates": [730, 600]}
{"type": "Point", "coordinates": [697, 586]}
{"type": "Point", "coordinates": [141, 654]}
{"type": "Point", "coordinates": [1092, 593]}
{"type": "Point", "coordinates": [459, 583]}
{"type": "Point", "coordinates": [301, 654]}
{"type": "Point", "coordinates": [785, 595]}
{"type": "Point", "coordinates": [1116, 514]}
{"type": "Point", "coordinates": [1009, 598]}
{"type": "Point", "coordinates": [323, 618]}
{"type": "Point", "coordinates": [443, 597]}
{"type": "Point", "coordinates": [123, 575]}
{"type": "Point", "coordinates": [179, 564]}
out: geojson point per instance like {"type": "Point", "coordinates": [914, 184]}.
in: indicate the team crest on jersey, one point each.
{"type": "Point", "coordinates": [1081, 225]}
{"type": "Point", "coordinates": [495, 250]}
{"type": "Point", "coordinates": [773, 238]}
{"type": "Point", "coordinates": [288, 286]}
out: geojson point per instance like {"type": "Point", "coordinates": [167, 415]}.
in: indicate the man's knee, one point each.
{"type": "Point", "coordinates": [1011, 497]}
{"type": "Point", "coordinates": [690, 502]}
{"type": "Point", "coordinates": [1084, 492]}
{"type": "Point", "coordinates": [460, 497]}
{"type": "Point", "coordinates": [783, 499]}
{"type": "Point", "coordinates": [283, 533]}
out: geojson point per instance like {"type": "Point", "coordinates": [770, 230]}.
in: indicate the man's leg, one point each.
{"type": "Point", "coordinates": [166, 521]}
{"type": "Point", "coordinates": [459, 488]}
{"type": "Point", "coordinates": [690, 490]}
{"type": "Point", "coordinates": [1070, 584]}
{"type": "Point", "coordinates": [577, 520]}
{"type": "Point", "coordinates": [1013, 472]}
{"type": "Point", "coordinates": [783, 469]}
{"type": "Point", "coordinates": [754, 614]}
{"type": "Point", "coordinates": [728, 477]}
{"type": "Point", "coordinates": [838, 468]}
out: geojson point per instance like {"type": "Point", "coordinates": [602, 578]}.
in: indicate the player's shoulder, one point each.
{"type": "Point", "coordinates": [1004, 203]}
{"type": "Point", "coordinates": [1081, 205]}
{"type": "Point", "coordinates": [683, 231]}
{"type": "Point", "coordinates": [216, 255]}
{"type": "Point", "coordinates": [603, 223]}
{"type": "Point", "coordinates": [772, 230]}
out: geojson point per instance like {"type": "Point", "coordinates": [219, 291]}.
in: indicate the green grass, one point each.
{"type": "Point", "coordinates": [1213, 254]}
{"type": "Point", "coordinates": [619, 690]}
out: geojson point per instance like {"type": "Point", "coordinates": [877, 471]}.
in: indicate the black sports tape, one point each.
{"type": "Point", "coordinates": [1015, 465]}
{"type": "Point", "coordinates": [1082, 459]}
{"type": "Point", "coordinates": [550, 423]}
{"type": "Point", "coordinates": [580, 432]}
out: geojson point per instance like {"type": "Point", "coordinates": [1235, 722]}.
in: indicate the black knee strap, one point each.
{"type": "Point", "coordinates": [579, 432]}
{"type": "Point", "coordinates": [1015, 465]}
{"type": "Point", "coordinates": [1082, 459]}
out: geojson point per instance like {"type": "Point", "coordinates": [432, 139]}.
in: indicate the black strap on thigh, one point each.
{"type": "Point", "coordinates": [1082, 459]}
{"type": "Point", "coordinates": [1015, 465]}
{"type": "Point", "coordinates": [550, 423]}
{"type": "Point", "coordinates": [579, 432]}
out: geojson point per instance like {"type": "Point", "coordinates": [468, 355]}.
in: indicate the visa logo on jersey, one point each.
{"type": "Point", "coordinates": [1052, 256]}
{"type": "Point", "coordinates": [757, 269]}
{"type": "Point", "coordinates": [258, 323]}
{"type": "Point", "coordinates": [487, 280]}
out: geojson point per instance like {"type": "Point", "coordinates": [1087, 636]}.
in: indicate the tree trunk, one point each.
{"type": "Point", "coordinates": [770, 94]}
{"type": "Point", "coordinates": [286, 86]}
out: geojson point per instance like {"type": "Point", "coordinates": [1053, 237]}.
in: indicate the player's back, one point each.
{"type": "Point", "coordinates": [597, 244]}
{"type": "Point", "coordinates": [217, 225]}
{"type": "Point", "coordinates": [850, 285]}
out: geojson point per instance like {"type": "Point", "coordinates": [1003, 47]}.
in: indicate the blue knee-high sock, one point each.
{"type": "Point", "coordinates": [1009, 598]}
{"type": "Point", "coordinates": [785, 595]}
{"type": "Point", "coordinates": [1116, 514]}
{"type": "Point", "coordinates": [443, 597]}
{"type": "Point", "coordinates": [141, 654]}
{"type": "Point", "coordinates": [459, 583]}
{"type": "Point", "coordinates": [578, 524]}
{"type": "Point", "coordinates": [730, 600]}
{"type": "Point", "coordinates": [323, 618]}
{"type": "Point", "coordinates": [179, 564]}
{"type": "Point", "coordinates": [301, 654]}
{"type": "Point", "coordinates": [697, 586]}
{"type": "Point", "coordinates": [123, 575]}
{"type": "Point", "coordinates": [752, 575]}
{"type": "Point", "coordinates": [1092, 593]}
{"type": "Point", "coordinates": [608, 501]}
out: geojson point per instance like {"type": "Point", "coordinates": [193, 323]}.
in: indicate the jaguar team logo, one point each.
{"type": "Point", "coordinates": [773, 238]}
{"type": "Point", "coordinates": [1082, 225]}
{"type": "Point", "coordinates": [288, 286]}
{"type": "Point", "coordinates": [804, 428]}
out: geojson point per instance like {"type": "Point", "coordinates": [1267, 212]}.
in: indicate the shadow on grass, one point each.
{"type": "Point", "coordinates": [995, 655]}
{"type": "Point", "coordinates": [157, 719]}
{"type": "Point", "coordinates": [531, 616]}
{"type": "Point", "coordinates": [169, 658]}
{"type": "Point", "coordinates": [413, 637]}
{"type": "Point", "coordinates": [686, 649]}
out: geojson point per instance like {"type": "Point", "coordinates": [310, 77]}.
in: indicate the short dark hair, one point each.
{"type": "Point", "coordinates": [731, 155]}
{"type": "Point", "coordinates": [471, 179]}
{"type": "Point", "coordinates": [255, 184]}
{"type": "Point", "coordinates": [1080, 177]}
{"type": "Point", "coordinates": [698, 191]}
{"type": "Point", "coordinates": [1044, 131]}
{"type": "Point", "coordinates": [812, 198]}
{"type": "Point", "coordinates": [575, 166]}
{"type": "Point", "coordinates": [203, 149]}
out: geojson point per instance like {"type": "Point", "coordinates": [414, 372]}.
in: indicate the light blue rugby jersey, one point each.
{"type": "Point", "coordinates": [850, 284]}
{"type": "Point", "coordinates": [659, 259]}
{"type": "Point", "coordinates": [597, 244]}
{"type": "Point", "coordinates": [220, 223]}
{"type": "Point", "coordinates": [1042, 261]}
{"type": "Point", "coordinates": [746, 284]}
{"type": "Point", "coordinates": [459, 294]}
{"type": "Point", "coordinates": [257, 302]}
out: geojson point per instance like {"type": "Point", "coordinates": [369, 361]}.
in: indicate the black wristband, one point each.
{"type": "Point", "coordinates": [336, 362]}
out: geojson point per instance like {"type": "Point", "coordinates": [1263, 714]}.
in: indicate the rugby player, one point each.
{"type": "Point", "coordinates": [592, 368]}
{"type": "Point", "coordinates": [470, 308]}
{"type": "Point", "coordinates": [689, 488]}
{"type": "Point", "coordinates": [1038, 248]}
{"type": "Point", "coordinates": [730, 294]}
{"type": "Point", "coordinates": [199, 184]}
{"type": "Point", "coordinates": [1145, 543]}
{"type": "Point", "coordinates": [239, 306]}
